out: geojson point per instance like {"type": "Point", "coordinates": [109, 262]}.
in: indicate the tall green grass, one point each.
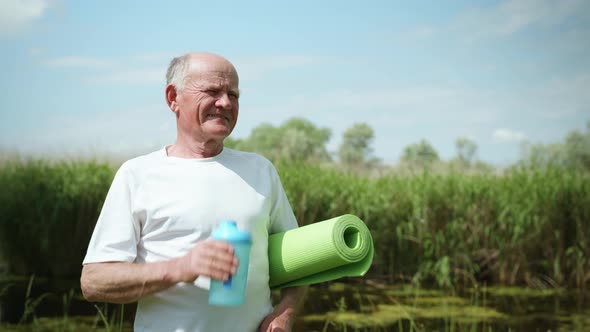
{"type": "Point", "coordinates": [47, 214]}
{"type": "Point", "coordinates": [526, 226]}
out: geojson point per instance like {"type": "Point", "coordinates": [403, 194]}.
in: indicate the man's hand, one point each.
{"type": "Point", "coordinates": [211, 258]}
{"type": "Point", "coordinates": [284, 314]}
{"type": "Point", "coordinates": [278, 322]}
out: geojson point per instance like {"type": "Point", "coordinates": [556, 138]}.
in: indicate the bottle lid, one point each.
{"type": "Point", "coordinates": [228, 231]}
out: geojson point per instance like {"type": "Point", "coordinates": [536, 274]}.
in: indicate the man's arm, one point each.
{"type": "Point", "coordinates": [124, 282]}
{"type": "Point", "coordinates": [285, 312]}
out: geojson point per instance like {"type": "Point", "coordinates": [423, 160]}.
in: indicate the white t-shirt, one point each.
{"type": "Point", "coordinates": [159, 207]}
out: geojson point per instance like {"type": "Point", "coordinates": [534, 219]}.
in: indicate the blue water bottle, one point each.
{"type": "Point", "coordinates": [233, 291]}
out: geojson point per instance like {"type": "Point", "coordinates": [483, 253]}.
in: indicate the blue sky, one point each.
{"type": "Point", "coordinates": [82, 77]}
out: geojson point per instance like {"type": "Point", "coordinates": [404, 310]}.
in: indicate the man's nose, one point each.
{"type": "Point", "coordinates": [223, 101]}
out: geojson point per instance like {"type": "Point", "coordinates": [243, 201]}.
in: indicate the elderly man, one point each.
{"type": "Point", "coordinates": [151, 242]}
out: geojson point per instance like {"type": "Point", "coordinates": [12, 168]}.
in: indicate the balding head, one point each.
{"type": "Point", "coordinates": [190, 64]}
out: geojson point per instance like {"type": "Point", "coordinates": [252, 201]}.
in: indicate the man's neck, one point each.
{"type": "Point", "coordinates": [183, 149]}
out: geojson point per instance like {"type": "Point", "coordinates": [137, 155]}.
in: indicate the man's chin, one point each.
{"type": "Point", "coordinates": [220, 133]}
{"type": "Point", "coordinates": [218, 129]}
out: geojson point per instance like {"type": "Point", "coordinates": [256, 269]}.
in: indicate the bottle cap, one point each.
{"type": "Point", "coordinates": [228, 231]}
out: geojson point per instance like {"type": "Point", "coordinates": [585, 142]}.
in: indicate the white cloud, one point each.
{"type": "Point", "coordinates": [254, 69]}
{"type": "Point", "coordinates": [152, 57]}
{"type": "Point", "coordinates": [541, 112]}
{"type": "Point", "coordinates": [150, 68]}
{"type": "Point", "coordinates": [399, 115]}
{"type": "Point", "coordinates": [89, 62]}
{"type": "Point", "coordinates": [506, 18]}
{"type": "Point", "coordinates": [131, 77]}
{"type": "Point", "coordinates": [423, 32]}
{"type": "Point", "coordinates": [80, 62]}
{"type": "Point", "coordinates": [512, 16]}
{"type": "Point", "coordinates": [417, 34]}
{"type": "Point", "coordinates": [15, 14]}
{"type": "Point", "coordinates": [34, 51]}
{"type": "Point", "coordinates": [567, 97]}
{"type": "Point", "coordinates": [264, 64]}
{"type": "Point", "coordinates": [128, 130]}
{"type": "Point", "coordinates": [508, 136]}
{"type": "Point", "coordinates": [398, 106]}
{"type": "Point", "coordinates": [145, 68]}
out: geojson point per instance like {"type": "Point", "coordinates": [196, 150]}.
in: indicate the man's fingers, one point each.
{"type": "Point", "coordinates": [221, 257]}
{"type": "Point", "coordinates": [219, 267]}
{"type": "Point", "coordinates": [220, 245]}
{"type": "Point", "coordinates": [214, 259]}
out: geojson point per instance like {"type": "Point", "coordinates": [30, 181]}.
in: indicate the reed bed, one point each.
{"type": "Point", "coordinates": [526, 226]}
{"type": "Point", "coordinates": [47, 213]}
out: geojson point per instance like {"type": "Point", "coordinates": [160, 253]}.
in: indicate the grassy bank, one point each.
{"type": "Point", "coordinates": [527, 226]}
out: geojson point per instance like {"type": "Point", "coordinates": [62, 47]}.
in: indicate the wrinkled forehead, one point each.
{"type": "Point", "coordinates": [216, 72]}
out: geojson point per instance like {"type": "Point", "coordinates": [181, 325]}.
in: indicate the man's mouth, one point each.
{"type": "Point", "coordinates": [217, 116]}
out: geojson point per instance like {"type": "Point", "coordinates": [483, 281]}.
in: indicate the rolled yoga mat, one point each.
{"type": "Point", "coordinates": [319, 252]}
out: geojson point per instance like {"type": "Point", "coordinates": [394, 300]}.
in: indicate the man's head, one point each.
{"type": "Point", "coordinates": [202, 91]}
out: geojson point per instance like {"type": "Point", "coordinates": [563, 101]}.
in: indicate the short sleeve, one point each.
{"type": "Point", "coordinates": [116, 233]}
{"type": "Point", "coordinates": [281, 216]}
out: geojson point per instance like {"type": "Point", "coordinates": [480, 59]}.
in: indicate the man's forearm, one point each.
{"type": "Point", "coordinates": [292, 299]}
{"type": "Point", "coordinates": [123, 282]}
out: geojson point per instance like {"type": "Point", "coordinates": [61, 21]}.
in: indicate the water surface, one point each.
{"type": "Point", "coordinates": [366, 306]}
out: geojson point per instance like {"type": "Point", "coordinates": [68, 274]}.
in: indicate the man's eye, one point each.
{"type": "Point", "coordinates": [212, 92]}
{"type": "Point", "coordinates": [234, 95]}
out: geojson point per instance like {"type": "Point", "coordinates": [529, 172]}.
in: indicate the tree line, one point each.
{"type": "Point", "coordinates": [299, 140]}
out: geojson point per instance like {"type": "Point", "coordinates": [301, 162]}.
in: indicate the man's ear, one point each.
{"type": "Point", "coordinates": [171, 96]}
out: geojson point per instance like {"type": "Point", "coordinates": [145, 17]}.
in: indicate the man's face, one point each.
{"type": "Point", "coordinates": [208, 104]}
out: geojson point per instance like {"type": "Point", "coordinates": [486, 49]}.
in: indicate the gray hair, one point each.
{"type": "Point", "coordinates": [178, 71]}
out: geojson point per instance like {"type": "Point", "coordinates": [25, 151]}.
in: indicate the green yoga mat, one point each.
{"type": "Point", "coordinates": [323, 251]}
